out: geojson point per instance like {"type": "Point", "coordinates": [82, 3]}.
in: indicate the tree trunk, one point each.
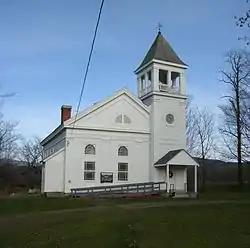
{"type": "Point", "coordinates": [239, 141]}
{"type": "Point", "coordinates": [203, 174]}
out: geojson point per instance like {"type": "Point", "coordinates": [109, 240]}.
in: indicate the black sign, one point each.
{"type": "Point", "coordinates": [106, 177]}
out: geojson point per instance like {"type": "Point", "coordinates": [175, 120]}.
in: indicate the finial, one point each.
{"type": "Point", "coordinates": [159, 27]}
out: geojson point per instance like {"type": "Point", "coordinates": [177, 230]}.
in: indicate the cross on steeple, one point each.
{"type": "Point", "coordinates": [159, 26]}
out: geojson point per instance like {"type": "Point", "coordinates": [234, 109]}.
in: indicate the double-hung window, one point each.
{"type": "Point", "coordinates": [122, 171]}
{"type": "Point", "coordinates": [89, 170]}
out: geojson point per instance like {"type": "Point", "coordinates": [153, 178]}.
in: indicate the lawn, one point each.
{"type": "Point", "coordinates": [22, 205]}
{"type": "Point", "coordinates": [112, 226]}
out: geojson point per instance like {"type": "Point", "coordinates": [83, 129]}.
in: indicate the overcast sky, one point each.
{"type": "Point", "coordinates": [44, 47]}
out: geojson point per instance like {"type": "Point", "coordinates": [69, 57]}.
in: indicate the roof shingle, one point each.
{"type": "Point", "coordinates": [163, 160]}
{"type": "Point", "coordinates": [161, 50]}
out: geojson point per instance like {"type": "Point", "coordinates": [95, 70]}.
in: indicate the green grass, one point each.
{"type": "Point", "coordinates": [224, 195]}
{"type": "Point", "coordinates": [22, 205]}
{"type": "Point", "coordinates": [225, 191]}
{"type": "Point", "coordinates": [206, 226]}
{"type": "Point", "coordinates": [26, 223]}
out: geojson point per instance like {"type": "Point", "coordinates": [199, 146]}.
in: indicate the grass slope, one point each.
{"type": "Point", "coordinates": [206, 226]}
{"type": "Point", "coordinates": [22, 205]}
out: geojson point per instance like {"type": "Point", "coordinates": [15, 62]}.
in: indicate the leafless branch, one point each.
{"type": "Point", "coordinates": [31, 152]}
{"type": "Point", "coordinates": [8, 138]}
{"type": "Point", "coordinates": [235, 123]}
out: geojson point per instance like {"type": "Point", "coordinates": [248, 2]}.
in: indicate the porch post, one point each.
{"type": "Point", "coordinates": [167, 179]}
{"type": "Point", "coordinates": [195, 179]}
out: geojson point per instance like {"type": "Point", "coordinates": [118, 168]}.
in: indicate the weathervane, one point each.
{"type": "Point", "coordinates": [159, 26]}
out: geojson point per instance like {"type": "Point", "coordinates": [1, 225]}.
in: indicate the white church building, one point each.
{"type": "Point", "coordinates": [126, 138]}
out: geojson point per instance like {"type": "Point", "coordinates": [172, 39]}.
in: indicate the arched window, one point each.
{"type": "Point", "coordinates": [122, 151]}
{"type": "Point", "coordinates": [118, 119]}
{"type": "Point", "coordinates": [126, 119]}
{"type": "Point", "coordinates": [90, 149]}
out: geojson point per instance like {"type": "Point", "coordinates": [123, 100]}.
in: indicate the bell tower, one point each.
{"type": "Point", "coordinates": [161, 71]}
{"type": "Point", "coordinates": [161, 86]}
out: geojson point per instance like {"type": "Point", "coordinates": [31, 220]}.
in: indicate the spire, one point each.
{"type": "Point", "coordinates": [161, 50]}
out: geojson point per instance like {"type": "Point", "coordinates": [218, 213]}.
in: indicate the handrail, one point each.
{"type": "Point", "coordinates": [132, 188]}
{"type": "Point", "coordinates": [117, 185]}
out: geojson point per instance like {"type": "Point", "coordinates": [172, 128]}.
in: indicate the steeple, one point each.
{"type": "Point", "coordinates": [161, 71]}
{"type": "Point", "coordinates": [162, 87]}
{"type": "Point", "coordinates": [161, 50]}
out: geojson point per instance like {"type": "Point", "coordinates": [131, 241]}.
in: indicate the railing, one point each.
{"type": "Point", "coordinates": [162, 87]}
{"type": "Point", "coordinates": [166, 88]}
{"type": "Point", "coordinates": [121, 190]}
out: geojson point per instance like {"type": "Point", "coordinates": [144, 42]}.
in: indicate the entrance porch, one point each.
{"type": "Point", "coordinates": [175, 164]}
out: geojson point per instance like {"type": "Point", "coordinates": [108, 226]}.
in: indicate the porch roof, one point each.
{"type": "Point", "coordinates": [176, 157]}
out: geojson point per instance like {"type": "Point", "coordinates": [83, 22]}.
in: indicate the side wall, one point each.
{"type": "Point", "coordinates": [53, 155]}
{"type": "Point", "coordinates": [53, 172]}
{"type": "Point", "coordinates": [106, 158]}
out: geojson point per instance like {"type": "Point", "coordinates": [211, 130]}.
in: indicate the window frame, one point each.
{"type": "Point", "coordinates": [120, 153]}
{"type": "Point", "coordinates": [89, 170]}
{"type": "Point", "coordinates": [143, 81]}
{"type": "Point", "coordinates": [126, 119]}
{"type": "Point", "coordinates": [170, 119]}
{"type": "Point", "coordinates": [89, 146]}
{"type": "Point", "coordinates": [123, 172]}
{"type": "Point", "coordinates": [149, 75]}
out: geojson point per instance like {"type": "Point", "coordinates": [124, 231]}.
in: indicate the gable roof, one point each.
{"type": "Point", "coordinates": [171, 157]}
{"type": "Point", "coordinates": [167, 157]}
{"type": "Point", "coordinates": [92, 108]}
{"type": "Point", "coordinates": [97, 105]}
{"type": "Point", "coordinates": [161, 50]}
{"type": "Point", "coordinates": [54, 133]}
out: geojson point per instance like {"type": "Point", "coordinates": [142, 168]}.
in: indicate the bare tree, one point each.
{"type": "Point", "coordinates": [31, 152]}
{"type": "Point", "coordinates": [235, 110]}
{"type": "Point", "coordinates": [200, 130]}
{"type": "Point", "coordinates": [244, 21]}
{"type": "Point", "coordinates": [8, 134]}
{"type": "Point", "coordinates": [205, 138]}
{"type": "Point", "coordinates": [246, 126]}
{"type": "Point", "coordinates": [8, 138]}
{"type": "Point", "coordinates": [205, 132]}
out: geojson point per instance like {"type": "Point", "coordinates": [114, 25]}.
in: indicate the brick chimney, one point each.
{"type": "Point", "coordinates": [65, 113]}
